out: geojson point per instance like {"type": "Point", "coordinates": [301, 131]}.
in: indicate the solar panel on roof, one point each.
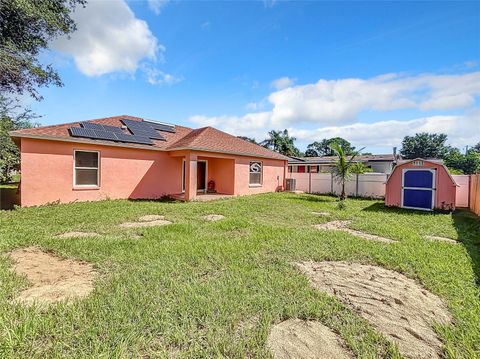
{"type": "Point", "coordinates": [82, 132]}
{"type": "Point", "coordinates": [150, 133]}
{"type": "Point", "coordinates": [133, 139]}
{"type": "Point", "coordinates": [99, 127]}
{"type": "Point", "coordinates": [162, 127]}
{"type": "Point", "coordinates": [105, 135]}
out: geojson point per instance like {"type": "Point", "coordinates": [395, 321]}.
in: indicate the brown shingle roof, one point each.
{"type": "Point", "coordinates": [204, 139]}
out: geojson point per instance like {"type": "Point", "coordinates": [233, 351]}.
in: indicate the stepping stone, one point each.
{"type": "Point", "coordinates": [299, 339]}
{"type": "Point", "coordinates": [441, 239]}
{"type": "Point", "coordinates": [77, 234]}
{"type": "Point", "coordinates": [343, 226]}
{"type": "Point", "coordinates": [53, 279]}
{"type": "Point", "coordinates": [150, 217]}
{"type": "Point", "coordinates": [213, 217]}
{"type": "Point", "coordinates": [159, 222]}
{"type": "Point", "coordinates": [395, 305]}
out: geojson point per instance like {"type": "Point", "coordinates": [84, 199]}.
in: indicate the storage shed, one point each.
{"type": "Point", "coordinates": [421, 184]}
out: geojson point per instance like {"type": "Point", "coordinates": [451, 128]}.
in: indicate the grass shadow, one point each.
{"type": "Point", "coordinates": [381, 207]}
{"type": "Point", "coordinates": [467, 225]}
{"type": "Point", "coordinates": [163, 199]}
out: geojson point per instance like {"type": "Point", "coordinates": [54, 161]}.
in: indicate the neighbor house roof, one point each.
{"type": "Point", "coordinates": [332, 159]}
{"type": "Point", "coordinates": [203, 139]}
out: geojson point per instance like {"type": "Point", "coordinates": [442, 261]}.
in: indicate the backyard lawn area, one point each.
{"type": "Point", "coordinates": [206, 289]}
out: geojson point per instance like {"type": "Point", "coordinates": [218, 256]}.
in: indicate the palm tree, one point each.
{"type": "Point", "coordinates": [343, 166]}
{"type": "Point", "coordinates": [281, 141]}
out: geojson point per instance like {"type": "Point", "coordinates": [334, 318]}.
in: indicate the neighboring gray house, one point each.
{"type": "Point", "coordinates": [378, 163]}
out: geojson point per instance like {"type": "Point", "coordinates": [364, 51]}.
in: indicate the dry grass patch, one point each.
{"type": "Point", "coordinates": [213, 217]}
{"type": "Point", "coordinates": [299, 339]}
{"type": "Point", "coordinates": [53, 279]}
{"type": "Point", "coordinates": [343, 226]}
{"type": "Point", "coordinates": [77, 235]}
{"type": "Point", "coordinates": [395, 305]}
{"type": "Point", "coordinates": [440, 239]}
{"type": "Point", "coordinates": [321, 214]}
{"type": "Point", "coordinates": [151, 217]}
{"type": "Point", "coordinates": [149, 220]}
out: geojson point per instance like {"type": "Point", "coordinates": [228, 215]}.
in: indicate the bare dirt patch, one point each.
{"type": "Point", "coordinates": [343, 226]}
{"type": "Point", "coordinates": [77, 235]}
{"type": "Point", "coordinates": [53, 279]}
{"type": "Point", "coordinates": [394, 304]}
{"type": "Point", "coordinates": [213, 217]}
{"type": "Point", "coordinates": [322, 214]}
{"type": "Point", "coordinates": [151, 217]}
{"type": "Point", "coordinates": [150, 220]}
{"type": "Point", "coordinates": [295, 338]}
{"type": "Point", "coordinates": [440, 239]}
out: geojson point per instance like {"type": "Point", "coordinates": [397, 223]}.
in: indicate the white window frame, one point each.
{"type": "Point", "coordinates": [261, 174]}
{"type": "Point", "coordinates": [75, 168]}
{"type": "Point", "coordinates": [433, 189]}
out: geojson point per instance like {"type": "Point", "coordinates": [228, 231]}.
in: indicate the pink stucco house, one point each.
{"type": "Point", "coordinates": [129, 157]}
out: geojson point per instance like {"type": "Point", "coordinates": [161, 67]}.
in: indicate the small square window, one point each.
{"type": "Point", "coordinates": [86, 168]}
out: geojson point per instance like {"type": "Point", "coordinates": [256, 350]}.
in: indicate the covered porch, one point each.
{"type": "Point", "coordinates": [206, 176]}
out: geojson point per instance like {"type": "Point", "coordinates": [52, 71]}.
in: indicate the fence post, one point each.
{"type": "Point", "coordinates": [331, 183]}
{"type": "Point", "coordinates": [310, 181]}
{"type": "Point", "coordinates": [356, 185]}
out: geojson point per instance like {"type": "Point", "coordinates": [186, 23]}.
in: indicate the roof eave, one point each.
{"type": "Point", "coordinates": [227, 152]}
{"type": "Point", "coordinates": [13, 134]}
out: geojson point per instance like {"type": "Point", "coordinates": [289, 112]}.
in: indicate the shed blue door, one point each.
{"type": "Point", "coordinates": [418, 189]}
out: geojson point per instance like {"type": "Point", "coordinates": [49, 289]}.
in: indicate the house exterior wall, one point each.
{"type": "Point", "coordinates": [222, 172]}
{"type": "Point", "coordinates": [47, 173]}
{"type": "Point", "coordinates": [445, 189]}
{"type": "Point", "coordinates": [273, 175]}
{"type": "Point", "coordinates": [380, 167]}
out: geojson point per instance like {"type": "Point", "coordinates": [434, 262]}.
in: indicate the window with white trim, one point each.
{"type": "Point", "coordinates": [86, 169]}
{"type": "Point", "coordinates": [256, 172]}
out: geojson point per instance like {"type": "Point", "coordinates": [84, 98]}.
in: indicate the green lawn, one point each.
{"type": "Point", "coordinates": [214, 289]}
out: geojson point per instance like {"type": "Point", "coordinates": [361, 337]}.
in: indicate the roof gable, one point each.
{"type": "Point", "coordinates": [202, 139]}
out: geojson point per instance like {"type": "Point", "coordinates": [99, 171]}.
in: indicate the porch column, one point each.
{"type": "Point", "coordinates": [190, 176]}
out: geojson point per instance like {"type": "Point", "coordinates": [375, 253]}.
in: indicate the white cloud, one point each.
{"type": "Point", "coordinates": [158, 77]}
{"type": "Point", "coordinates": [109, 38]}
{"type": "Point", "coordinates": [157, 5]}
{"type": "Point", "coordinates": [282, 83]}
{"type": "Point", "coordinates": [333, 106]}
{"type": "Point", "coordinates": [461, 130]}
{"type": "Point", "coordinates": [333, 101]}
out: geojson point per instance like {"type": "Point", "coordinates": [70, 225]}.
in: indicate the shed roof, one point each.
{"type": "Point", "coordinates": [432, 161]}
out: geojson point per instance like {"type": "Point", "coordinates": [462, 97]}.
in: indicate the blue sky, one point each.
{"type": "Point", "coordinates": [371, 72]}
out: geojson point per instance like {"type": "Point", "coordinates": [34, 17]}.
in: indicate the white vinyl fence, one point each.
{"type": "Point", "coordinates": [370, 185]}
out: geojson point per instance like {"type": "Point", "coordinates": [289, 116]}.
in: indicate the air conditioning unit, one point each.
{"type": "Point", "coordinates": [291, 184]}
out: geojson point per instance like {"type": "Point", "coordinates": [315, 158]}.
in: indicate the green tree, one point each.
{"type": "Point", "coordinates": [342, 170]}
{"type": "Point", "coordinates": [12, 118]}
{"type": "Point", "coordinates": [282, 142]}
{"type": "Point", "coordinates": [359, 168]}
{"type": "Point", "coordinates": [248, 139]}
{"type": "Point", "coordinates": [468, 163]}
{"type": "Point", "coordinates": [324, 147]}
{"type": "Point", "coordinates": [26, 28]}
{"type": "Point", "coordinates": [424, 145]}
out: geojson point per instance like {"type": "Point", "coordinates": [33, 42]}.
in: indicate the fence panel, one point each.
{"type": "Point", "coordinates": [462, 191]}
{"type": "Point", "coordinates": [372, 185]}
{"type": "Point", "coordinates": [364, 185]}
{"type": "Point", "coordinates": [321, 183]}
{"type": "Point", "coordinates": [475, 194]}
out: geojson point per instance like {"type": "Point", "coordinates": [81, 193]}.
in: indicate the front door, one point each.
{"type": "Point", "coordinates": [201, 175]}
{"type": "Point", "coordinates": [418, 189]}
